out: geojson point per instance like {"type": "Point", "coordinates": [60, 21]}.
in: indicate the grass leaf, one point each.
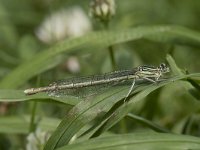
{"type": "Point", "coordinates": [87, 110]}
{"type": "Point", "coordinates": [147, 141]}
{"type": "Point", "coordinates": [18, 95]}
{"type": "Point", "coordinates": [51, 57]}
{"type": "Point", "coordinates": [20, 124]}
{"type": "Point", "coordinates": [123, 110]}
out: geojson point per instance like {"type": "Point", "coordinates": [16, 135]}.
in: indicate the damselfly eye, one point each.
{"type": "Point", "coordinates": [163, 66]}
{"type": "Point", "coordinates": [140, 68]}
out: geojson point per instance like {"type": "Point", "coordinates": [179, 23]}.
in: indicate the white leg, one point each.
{"type": "Point", "coordinates": [158, 77]}
{"type": "Point", "coordinates": [148, 79]}
{"type": "Point", "coordinates": [130, 90]}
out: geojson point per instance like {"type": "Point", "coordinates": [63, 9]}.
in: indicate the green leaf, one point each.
{"type": "Point", "coordinates": [18, 95]}
{"type": "Point", "coordinates": [51, 57]}
{"type": "Point", "coordinates": [82, 114]}
{"type": "Point", "coordinates": [20, 124]}
{"type": "Point", "coordinates": [146, 141]}
{"type": "Point", "coordinates": [148, 123]}
{"type": "Point", "coordinates": [177, 71]}
{"type": "Point", "coordinates": [87, 110]}
{"type": "Point", "coordinates": [123, 110]}
{"type": "Point", "coordinates": [173, 67]}
{"type": "Point", "coordinates": [14, 125]}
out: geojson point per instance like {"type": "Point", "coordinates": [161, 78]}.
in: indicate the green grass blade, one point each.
{"type": "Point", "coordinates": [82, 114]}
{"type": "Point", "coordinates": [176, 70]}
{"type": "Point", "coordinates": [146, 141]}
{"type": "Point", "coordinates": [123, 110]}
{"type": "Point", "coordinates": [20, 124]}
{"type": "Point", "coordinates": [86, 111]}
{"type": "Point", "coordinates": [18, 95]}
{"type": "Point", "coordinates": [51, 57]}
{"type": "Point", "coordinates": [173, 67]}
{"type": "Point", "coordinates": [148, 123]}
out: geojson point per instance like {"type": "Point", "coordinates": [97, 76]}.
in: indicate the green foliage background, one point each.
{"type": "Point", "coordinates": [157, 116]}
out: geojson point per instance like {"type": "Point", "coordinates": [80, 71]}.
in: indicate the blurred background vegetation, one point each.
{"type": "Point", "coordinates": [30, 27]}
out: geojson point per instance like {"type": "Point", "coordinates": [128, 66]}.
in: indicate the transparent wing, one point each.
{"type": "Point", "coordinates": [92, 89]}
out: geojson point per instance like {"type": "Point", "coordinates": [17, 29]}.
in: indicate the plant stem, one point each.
{"type": "Point", "coordinates": [34, 107]}
{"type": "Point", "coordinates": [112, 58]}
{"type": "Point", "coordinates": [32, 121]}
{"type": "Point", "coordinates": [110, 48]}
{"type": "Point", "coordinates": [147, 123]}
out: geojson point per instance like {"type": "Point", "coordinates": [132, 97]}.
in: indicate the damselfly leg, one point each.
{"type": "Point", "coordinates": [130, 90]}
{"type": "Point", "coordinates": [149, 73]}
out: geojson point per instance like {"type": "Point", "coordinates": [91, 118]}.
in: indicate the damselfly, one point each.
{"type": "Point", "coordinates": [73, 85]}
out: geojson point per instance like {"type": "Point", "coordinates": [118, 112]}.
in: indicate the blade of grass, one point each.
{"type": "Point", "coordinates": [20, 124]}
{"type": "Point", "coordinates": [123, 110]}
{"type": "Point", "coordinates": [86, 111]}
{"type": "Point", "coordinates": [148, 123]}
{"type": "Point", "coordinates": [82, 114]}
{"type": "Point", "coordinates": [18, 95]}
{"type": "Point", "coordinates": [175, 70]}
{"type": "Point", "coordinates": [147, 141]}
{"type": "Point", "coordinates": [49, 58]}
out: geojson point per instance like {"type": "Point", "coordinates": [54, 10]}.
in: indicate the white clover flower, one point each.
{"type": "Point", "coordinates": [103, 10]}
{"type": "Point", "coordinates": [65, 23]}
{"type": "Point", "coordinates": [36, 140]}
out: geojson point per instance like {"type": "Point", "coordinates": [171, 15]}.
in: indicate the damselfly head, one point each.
{"type": "Point", "coordinates": [152, 70]}
{"type": "Point", "coordinates": [146, 68]}
{"type": "Point", "coordinates": [164, 68]}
